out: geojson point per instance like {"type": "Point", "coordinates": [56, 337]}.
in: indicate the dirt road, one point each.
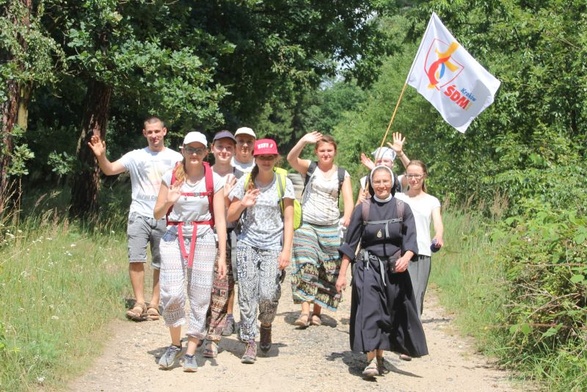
{"type": "Point", "coordinates": [314, 359]}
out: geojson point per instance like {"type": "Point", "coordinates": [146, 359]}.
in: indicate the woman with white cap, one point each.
{"type": "Point", "coordinates": [384, 314]}
{"type": "Point", "coordinates": [192, 197]}
{"type": "Point", "coordinates": [385, 156]}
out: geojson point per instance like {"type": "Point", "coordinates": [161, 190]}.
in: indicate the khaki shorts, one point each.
{"type": "Point", "coordinates": [143, 230]}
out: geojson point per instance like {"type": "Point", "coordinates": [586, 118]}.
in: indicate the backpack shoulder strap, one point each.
{"type": "Point", "coordinates": [365, 205]}
{"type": "Point", "coordinates": [341, 173]}
{"type": "Point", "coordinates": [365, 213]}
{"type": "Point", "coordinates": [400, 208]}
{"type": "Point", "coordinates": [209, 178]}
{"type": "Point", "coordinates": [237, 172]}
{"type": "Point", "coordinates": [311, 169]}
{"type": "Point", "coordinates": [280, 189]}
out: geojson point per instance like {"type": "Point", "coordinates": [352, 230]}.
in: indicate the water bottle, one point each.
{"type": "Point", "coordinates": [435, 246]}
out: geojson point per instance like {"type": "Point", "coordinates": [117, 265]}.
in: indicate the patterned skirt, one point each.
{"type": "Point", "coordinates": [315, 265]}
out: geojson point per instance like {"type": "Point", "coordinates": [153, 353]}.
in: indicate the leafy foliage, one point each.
{"type": "Point", "coordinates": [546, 308]}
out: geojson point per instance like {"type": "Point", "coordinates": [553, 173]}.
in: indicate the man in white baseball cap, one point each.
{"type": "Point", "coordinates": [243, 160]}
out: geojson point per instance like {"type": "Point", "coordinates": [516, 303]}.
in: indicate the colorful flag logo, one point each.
{"type": "Point", "coordinates": [450, 78]}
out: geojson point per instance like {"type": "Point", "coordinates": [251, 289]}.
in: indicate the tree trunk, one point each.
{"type": "Point", "coordinates": [86, 181]}
{"type": "Point", "coordinates": [9, 114]}
{"type": "Point", "coordinates": [14, 109]}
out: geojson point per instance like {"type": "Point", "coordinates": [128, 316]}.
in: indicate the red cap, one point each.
{"type": "Point", "coordinates": [265, 147]}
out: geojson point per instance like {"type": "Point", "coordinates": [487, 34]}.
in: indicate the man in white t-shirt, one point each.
{"type": "Point", "coordinates": [146, 167]}
{"type": "Point", "coordinates": [243, 160]}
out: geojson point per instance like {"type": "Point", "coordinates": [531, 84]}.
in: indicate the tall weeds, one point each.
{"type": "Point", "coordinates": [467, 276]}
{"type": "Point", "coordinates": [61, 283]}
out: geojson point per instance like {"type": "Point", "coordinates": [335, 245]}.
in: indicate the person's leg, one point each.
{"type": "Point", "coordinates": [138, 234]}
{"type": "Point", "coordinates": [172, 298]}
{"type": "Point", "coordinates": [303, 255]}
{"type": "Point", "coordinates": [248, 299]}
{"type": "Point", "coordinates": [217, 313]}
{"type": "Point", "coordinates": [304, 318]}
{"type": "Point", "coordinates": [136, 271]}
{"type": "Point", "coordinates": [172, 352]}
{"type": "Point", "coordinates": [269, 294]}
{"type": "Point", "coordinates": [199, 288]}
{"type": "Point", "coordinates": [316, 315]}
{"type": "Point", "coordinates": [371, 370]}
{"type": "Point", "coordinates": [419, 274]}
{"type": "Point", "coordinates": [229, 322]}
{"type": "Point", "coordinates": [248, 294]}
{"type": "Point", "coordinates": [158, 229]}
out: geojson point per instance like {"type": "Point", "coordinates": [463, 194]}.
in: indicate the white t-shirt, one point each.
{"type": "Point", "coordinates": [262, 226]}
{"type": "Point", "coordinates": [422, 208]}
{"type": "Point", "coordinates": [320, 199]}
{"type": "Point", "coordinates": [193, 208]}
{"type": "Point", "coordinates": [146, 168]}
{"type": "Point", "coordinates": [243, 167]}
{"type": "Point", "coordinates": [225, 178]}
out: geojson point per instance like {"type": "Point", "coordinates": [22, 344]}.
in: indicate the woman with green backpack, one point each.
{"type": "Point", "coordinates": [264, 242]}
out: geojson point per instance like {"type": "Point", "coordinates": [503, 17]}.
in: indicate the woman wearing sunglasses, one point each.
{"type": "Point", "coordinates": [192, 197]}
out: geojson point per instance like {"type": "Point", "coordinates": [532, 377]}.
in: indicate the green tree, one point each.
{"type": "Point", "coordinates": [26, 60]}
{"type": "Point", "coordinates": [131, 49]}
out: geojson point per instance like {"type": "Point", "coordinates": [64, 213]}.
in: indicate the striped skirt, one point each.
{"type": "Point", "coordinates": [315, 265]}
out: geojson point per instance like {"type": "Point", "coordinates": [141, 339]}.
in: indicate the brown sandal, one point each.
{"type": "Point", "coordinates": [303, 321]}
{"type": "Point", "coordinates": [316, 320]}
{"type": "Point", "coordinates": [153, 313]}
{"type": "Point", "coordinates": [138, 312]}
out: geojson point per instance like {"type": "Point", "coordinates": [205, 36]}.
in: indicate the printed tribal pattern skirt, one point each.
{"type": "Point", "coordinates": [315, 265]}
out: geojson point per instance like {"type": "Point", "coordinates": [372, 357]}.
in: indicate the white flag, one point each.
{"type": "Point", "coordinates": [450, 78]}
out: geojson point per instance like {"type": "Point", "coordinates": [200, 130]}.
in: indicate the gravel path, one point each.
{"type": "Point", "coordinates": [314, 359]}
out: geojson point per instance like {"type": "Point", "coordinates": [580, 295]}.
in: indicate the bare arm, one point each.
{"type": "Point", "coordinates": [98, 147]}
{"type": "Point", "coordinates": [438, 226]}
{"type": "Point", "coordinates": [347, 199]}
{"type": "Point", "coordinates": [285, 255]}
{"type": "Point", "coordinates": [341, 281]}
{"type": "Point", "coordinates": [220, 224]}
{"type": "Point", "coordinates": [301, 165]}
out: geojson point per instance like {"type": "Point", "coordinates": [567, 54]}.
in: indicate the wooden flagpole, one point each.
{"type": "Point", "coordinates": [394, 112]}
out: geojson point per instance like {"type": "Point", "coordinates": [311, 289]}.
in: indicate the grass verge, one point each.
{"type": "Point", "coordinates": [60, 286]}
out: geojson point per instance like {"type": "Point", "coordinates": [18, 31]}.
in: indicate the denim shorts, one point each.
{"type": "Point", "coordinates": [143, 230]}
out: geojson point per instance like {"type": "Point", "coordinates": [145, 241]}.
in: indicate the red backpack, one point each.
{"type": "Point", "coordinates": [209, 178]}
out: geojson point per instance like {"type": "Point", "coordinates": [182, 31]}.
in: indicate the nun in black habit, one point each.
{"type": "Point", "coordinates": [384, 315]}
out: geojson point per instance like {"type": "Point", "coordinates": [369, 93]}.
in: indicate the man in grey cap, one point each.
{"type": "Point", "coordinates": [243, 160]}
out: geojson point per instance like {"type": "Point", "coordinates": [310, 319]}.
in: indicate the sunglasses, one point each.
{"type": "Point", "coordinates": [191, 150]}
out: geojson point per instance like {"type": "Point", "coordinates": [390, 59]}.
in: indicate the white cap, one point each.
{"type": "Point", "coordinates": [245, 131]}
{"type": "Point", "coordinates": [384, 152]}
{"type": "Point", "coordinates": [195, 137]}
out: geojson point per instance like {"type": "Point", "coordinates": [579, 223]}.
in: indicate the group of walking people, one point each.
{"type": "Point", "coordinates": [211, 226]}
